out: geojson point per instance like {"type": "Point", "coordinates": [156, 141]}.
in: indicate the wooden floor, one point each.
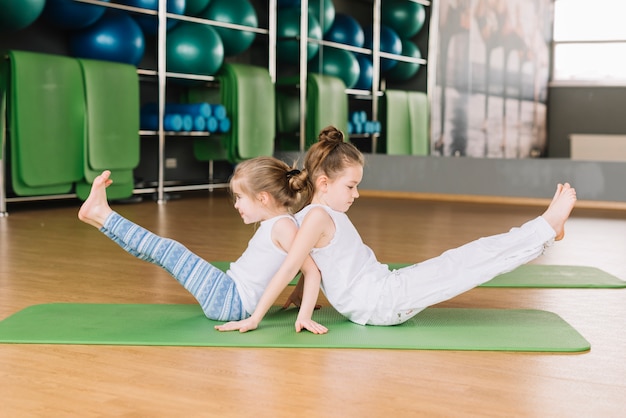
{"type": "Point", "coordinates": [47, 255]}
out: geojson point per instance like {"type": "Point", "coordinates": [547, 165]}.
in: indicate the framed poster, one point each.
{"type": "Point", "coordinates": [491, 78]}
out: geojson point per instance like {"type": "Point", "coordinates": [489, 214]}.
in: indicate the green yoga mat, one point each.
{"type": "Point", "coordinates": [533, 276]}
{"type": "Point", "coordinates": [405, 122]}
{"type": "Point", "coordinates": [185, 325]}
{"type": "Point", "coordinates": [397, 127]}
{"type": "Point", "coordinates": [112, 105]}
{"type": "Point", "coordinates": [4, 87]}
{"type": "Point", "coordinates": [327, 104]}
{"type": "Point", "coordinates": [248, 95]}
{"type": "Point", "coordinates": [46, 155]}
{"type": "Point", "coordinates": [122, 187]}
{"type": "Point", "coordinates": [550, 276]}
{"type": "Point", "coordinates": [418, 109]}
{"type": "Point", "coordinates": [111, 138]}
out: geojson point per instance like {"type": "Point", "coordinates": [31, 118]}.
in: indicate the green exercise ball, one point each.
{"type": "Point", "coordinates": [195, 7]}
{"type": "Point", "coordinates": [337, 62]}
{"type": "Point", "coordinates": [194, 49]}
{"type": "Point", "coordinates": [324, 12]}
{"type": "Point", "coordinates": [406, 17]}
{"type": "Point", "coordinates": [240, 12]}
{"type": "Point", "coordinates": [18, 14]}
{"type": "Point", "coordinates": [288, 26]}
{"type": "Point", "coordinates": [404, 70]}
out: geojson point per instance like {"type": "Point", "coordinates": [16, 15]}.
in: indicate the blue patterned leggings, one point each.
{"type": "Point", "coordinates": [213, 289]}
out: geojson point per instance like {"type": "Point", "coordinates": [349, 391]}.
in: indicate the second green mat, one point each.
{"type": "Point", "coordinates": [536, 276]}
{"type": "Point", "coordinates": [186, 325]}
{"type": "Point", "coordinates": [554, 276]}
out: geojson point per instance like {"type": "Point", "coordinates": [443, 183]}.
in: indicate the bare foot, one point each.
{"type": "Point", "coordinates": [560, 208]}
{"type": "Point", "coordinates": [95, 209]}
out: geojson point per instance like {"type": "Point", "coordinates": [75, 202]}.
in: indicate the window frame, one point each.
{"type": "Point", "coordinates": [582, 81]}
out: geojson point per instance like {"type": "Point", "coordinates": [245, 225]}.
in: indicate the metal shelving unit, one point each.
{"type": "Point", "coordinates": [376, 90]}
{"type": "Point", "coordinates": [162, 76]}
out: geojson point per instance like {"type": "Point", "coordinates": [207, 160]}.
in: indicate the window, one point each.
{"type": "Point", "coordinates": [590, 41]}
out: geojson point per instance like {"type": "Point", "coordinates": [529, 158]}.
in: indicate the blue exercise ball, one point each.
{"type": "Point", "coordinates": [405, 70]}
{"type": "Point", "coordinates": [366, 72]}
{"type": "Point", "coordinates": [240, 12]}
{"type": "Point", "coordinates": [114, 37]}
{"type": "Point", "coordinates": [19, 14]}
{"type": "Point", "coordinates": [407, 18]}
{"type": "Point", "coordinates": [195, 7]}
{"type": "Point", "coordinates": [389, 42]}
{"type": "Point", "coordinates": [72, 15]}
{"type": "Point", "coordinates": [194, 49]}
{"type": "Point", "coordinates": [287, 29]}
{"type": "Point", "coordinates": [324, 12]}
{"type": "Point", "coordinates": [337, 62]}
{"type": "Point", "coordinates": [150, 24]}
{"type": "Point", "coordinates": [346, 30]}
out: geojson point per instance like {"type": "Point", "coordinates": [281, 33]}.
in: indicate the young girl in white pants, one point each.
{"type": "Point", "coordinates": [365, 290]}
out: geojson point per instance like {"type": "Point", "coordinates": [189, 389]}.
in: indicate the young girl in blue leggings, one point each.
{"type": "Point", "coordinates": [266, 191]}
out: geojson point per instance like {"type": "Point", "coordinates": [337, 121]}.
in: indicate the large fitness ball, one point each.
{"type": "Point", "coordinates": [366, 72]}
{"type": "Point", "coordinates": [346, 30]}
{"type": "Point", "coordinates": [195, 7]}
{"type": "Point", "coordinates": [150, 24]}
{"type": "Point", "coordinates": [195, 49]}
{"type": "Point", "coordinates": [69, 14]}
{"type": "Point", "coordinates": [240, 12]}
{"type": "Point", "coordinates": [337, 62]}
{"type": "Point", "coordinates": [405, 70]}
{"type": "Point", "coordinates": [324, 12]}
{"type": "Point", "coordinates": [288, 26]}
{"type": "Point", "coordinates": [18, 14]}
{"type": "Point", "coordinates": [114, 37]}
{"type": "Point", "coordinates": [389, 42]}
{"type": "Point", "coordinates": [405, 17]}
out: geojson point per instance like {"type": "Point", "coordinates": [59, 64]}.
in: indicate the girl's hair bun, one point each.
{"type": "Point", "coordinates": [331, 134]}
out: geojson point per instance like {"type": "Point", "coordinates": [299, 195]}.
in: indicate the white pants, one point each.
{"type": "Point", "coordinates": [409, 290]}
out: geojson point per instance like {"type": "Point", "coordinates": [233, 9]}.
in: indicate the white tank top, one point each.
{"type": "Point", "coordinates": [352, 278]}
{"type": "Point", "coordinates": [257, 265]}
